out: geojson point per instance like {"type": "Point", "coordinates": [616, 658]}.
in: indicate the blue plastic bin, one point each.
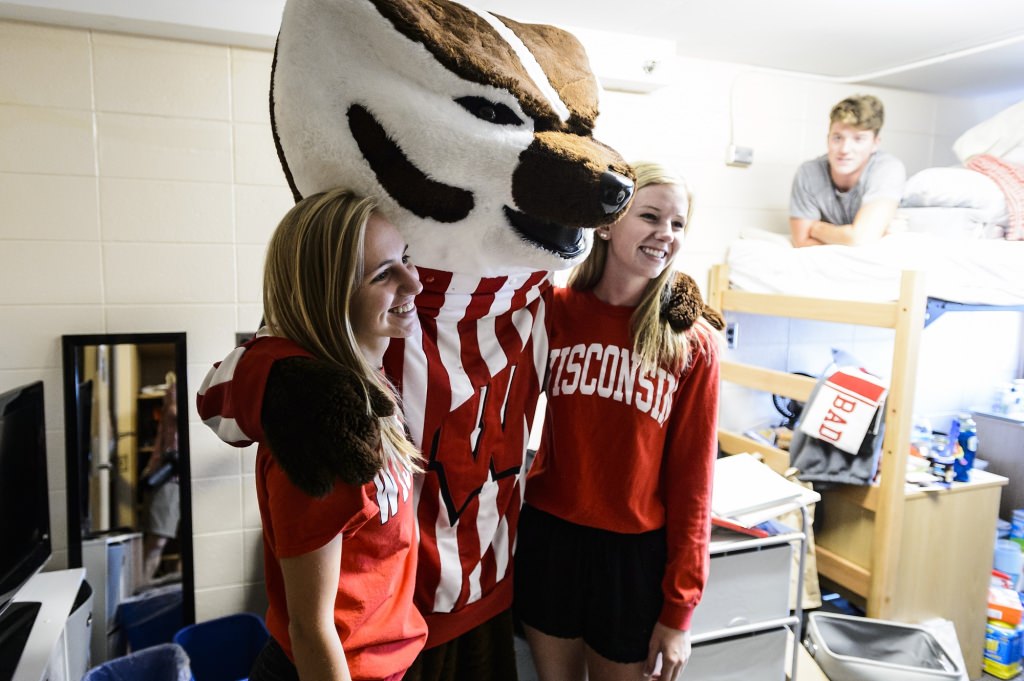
{"type": "Point", "coordinates": [223, 649]}
{"type": "Point", "coordinates": [150, 618]}
{"type": "Point", "coordinates": [164, 662]}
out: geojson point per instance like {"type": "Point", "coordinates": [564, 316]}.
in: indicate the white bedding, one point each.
{"type": "Point", "coordinates": [980, 271]}
{"type": "Point", "coordinates": [953, 223]}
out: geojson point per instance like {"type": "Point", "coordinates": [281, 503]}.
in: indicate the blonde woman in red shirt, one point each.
{"type": "Point", "coordinates": [612, 553]}
{"type": "Point", "coordinates": [339, 536]}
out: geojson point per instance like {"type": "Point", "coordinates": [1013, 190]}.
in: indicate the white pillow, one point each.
{"type": "Point", "coordinates": [956, 188]}
{"type": "Point", "coordinates": [758, 234]}
{"type": "Point", "coordinates": [953, 223]}
{"type": "Point", "coordinates": [1015, 155]}
{"type": "Point", "coordinates": [1001, 135]}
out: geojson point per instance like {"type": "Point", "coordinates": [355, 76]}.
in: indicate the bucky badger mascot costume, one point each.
{"type": "Point", "coordinates": [473, 132]}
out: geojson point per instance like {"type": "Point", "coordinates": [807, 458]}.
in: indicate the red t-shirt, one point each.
{"type": "Point", "coordinates": [469, 385]}
{"type": "Point", "coordinates": [381, 630]}
{"type": "Point", "coordinates": [625, 450]}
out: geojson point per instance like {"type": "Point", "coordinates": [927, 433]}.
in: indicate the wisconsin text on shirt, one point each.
{"type": "Point", "coordinates": [611, 372]}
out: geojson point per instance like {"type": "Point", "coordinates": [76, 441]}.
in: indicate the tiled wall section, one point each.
{"type": "Point", "coordinates": [963, 358]}
{"type": "Point", "coordinates": [139, 185]}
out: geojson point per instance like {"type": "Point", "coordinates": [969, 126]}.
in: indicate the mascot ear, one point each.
{"type": "Point", "coordinates": [316, 422]}
{"type": "Point", "coordinates": [684, 305]}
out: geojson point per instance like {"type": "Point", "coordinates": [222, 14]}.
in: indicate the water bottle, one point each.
{"type": "Point", "coordinates": [967, 446]}
{"type": "Point", "coordinates": [941, 461]}
{"type": "Point", "coordinates": [921, 437]}
{"type": "Point", "coordinates": [1017, 527]}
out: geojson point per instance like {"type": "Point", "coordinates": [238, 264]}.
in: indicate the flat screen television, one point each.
{"type": "Point", "coordinates": [24, 495]}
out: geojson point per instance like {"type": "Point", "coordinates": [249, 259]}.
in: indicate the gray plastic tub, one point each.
{"type": "Point", "coordinates": [862, 649]}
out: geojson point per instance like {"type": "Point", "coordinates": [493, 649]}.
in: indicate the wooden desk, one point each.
{"type": "Point", "coordinates": [945, 560]}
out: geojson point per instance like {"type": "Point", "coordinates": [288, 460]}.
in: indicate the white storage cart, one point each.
{"type": "Point", "coordinates": [740, 629]}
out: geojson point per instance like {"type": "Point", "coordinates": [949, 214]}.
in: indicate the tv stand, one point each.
{"type": "Point", "coordinates": [58, 642]}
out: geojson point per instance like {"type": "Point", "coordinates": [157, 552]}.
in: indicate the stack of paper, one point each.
{"type": "Point", "coordinates": [748, 492]}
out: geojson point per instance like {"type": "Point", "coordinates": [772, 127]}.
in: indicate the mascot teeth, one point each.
{"type": "Point", "coordinates": [565, 242]}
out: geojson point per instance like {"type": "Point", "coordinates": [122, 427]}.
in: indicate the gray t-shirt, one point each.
{"type": "Point", "coordinates": [814, 197]}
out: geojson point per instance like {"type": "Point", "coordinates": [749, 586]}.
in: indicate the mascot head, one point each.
{"type": "Point", "coordinates": [473, 131]}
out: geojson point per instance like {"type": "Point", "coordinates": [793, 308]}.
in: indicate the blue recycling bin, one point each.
{"type": "Point", "coordinates": [223, 649]}
{"type": "Point", "coordinates": [164, 662]}
{"type": "Point", "coordinates": [149, 618]}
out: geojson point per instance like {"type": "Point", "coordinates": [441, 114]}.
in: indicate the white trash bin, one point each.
{"type": "Point", "coordinates": [851, 648]}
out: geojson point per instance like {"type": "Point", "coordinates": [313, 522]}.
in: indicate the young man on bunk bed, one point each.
{"type": "Point", "coordinates": [849, 195]}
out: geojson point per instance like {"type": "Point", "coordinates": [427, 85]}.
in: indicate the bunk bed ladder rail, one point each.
{"type": "Point", "coordinates": [906, 317]}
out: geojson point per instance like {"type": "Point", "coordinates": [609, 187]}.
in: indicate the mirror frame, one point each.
{"type": "Point", "coordinates": [70, 344]}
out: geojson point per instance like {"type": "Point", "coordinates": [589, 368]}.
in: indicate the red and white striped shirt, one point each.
{"type": "Point", "coordinates": [469, 384]}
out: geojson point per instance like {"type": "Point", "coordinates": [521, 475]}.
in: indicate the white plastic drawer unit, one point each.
{"type": "Point", "coordinates": [747, 584]}
{"type": "Point", "coordinates": [747, 657]}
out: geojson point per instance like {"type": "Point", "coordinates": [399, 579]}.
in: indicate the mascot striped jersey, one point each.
{"type": "Point", "coordinates": [474, 133]}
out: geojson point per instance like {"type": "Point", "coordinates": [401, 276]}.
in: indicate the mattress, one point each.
{"type": "Point", "coordinates": [973, 271]}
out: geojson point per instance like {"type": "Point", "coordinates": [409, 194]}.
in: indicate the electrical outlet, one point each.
{"type": "Point", "coordinates": [739, 156]}
{"type": "Point", "coordinates": [732, 334]}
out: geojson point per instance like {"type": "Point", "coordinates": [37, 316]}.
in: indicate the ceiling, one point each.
{"type": "Point", "coordinates": [844, 41]}
{"type": "Point", "coordinates": [883, 42]}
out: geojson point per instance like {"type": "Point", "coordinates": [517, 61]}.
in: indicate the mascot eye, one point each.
{"type": "Point", "coordinates": [489, 111]}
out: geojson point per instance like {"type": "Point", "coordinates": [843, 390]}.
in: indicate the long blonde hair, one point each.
{"type": "Point", "coordinates": [655, 343]}
{"type": "Point", "coordinates": [313, 268]}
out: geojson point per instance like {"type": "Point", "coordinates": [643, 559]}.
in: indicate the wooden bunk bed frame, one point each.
{"type": "Point", "coordinates": [901, 552]}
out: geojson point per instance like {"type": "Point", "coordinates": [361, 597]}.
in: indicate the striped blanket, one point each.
{"type": "Point", "coordinates": [1010, 178]}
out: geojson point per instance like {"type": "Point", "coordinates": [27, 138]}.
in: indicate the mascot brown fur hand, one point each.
{"type": "Point", "coordinates": [684, 305]}
{"type": "Point", "coordinates": [315, 420]}
{"type": "Point", "coordinates": [474, 133]}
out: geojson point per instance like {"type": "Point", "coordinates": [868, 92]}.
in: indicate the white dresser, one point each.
{"type": "Point", "coordinates": [113, 566]}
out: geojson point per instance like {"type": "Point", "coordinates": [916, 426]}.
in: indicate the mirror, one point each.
{"type": "Point", "coordinates": [127, 459]}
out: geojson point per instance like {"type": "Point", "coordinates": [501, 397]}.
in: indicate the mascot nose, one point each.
{"type": "Point", "coordinates": [615, 191]}
{"type": "Point", "coordinates": [568, 179]}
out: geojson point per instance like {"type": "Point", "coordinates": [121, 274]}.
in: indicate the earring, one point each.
{"type": "Point", "coordinates": [604, 234]}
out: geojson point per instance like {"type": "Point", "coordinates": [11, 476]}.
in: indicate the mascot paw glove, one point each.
{"type": "Point", "coordinates": [684, 305]}
{"type": "Point", "coordinates": [317, 425]}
